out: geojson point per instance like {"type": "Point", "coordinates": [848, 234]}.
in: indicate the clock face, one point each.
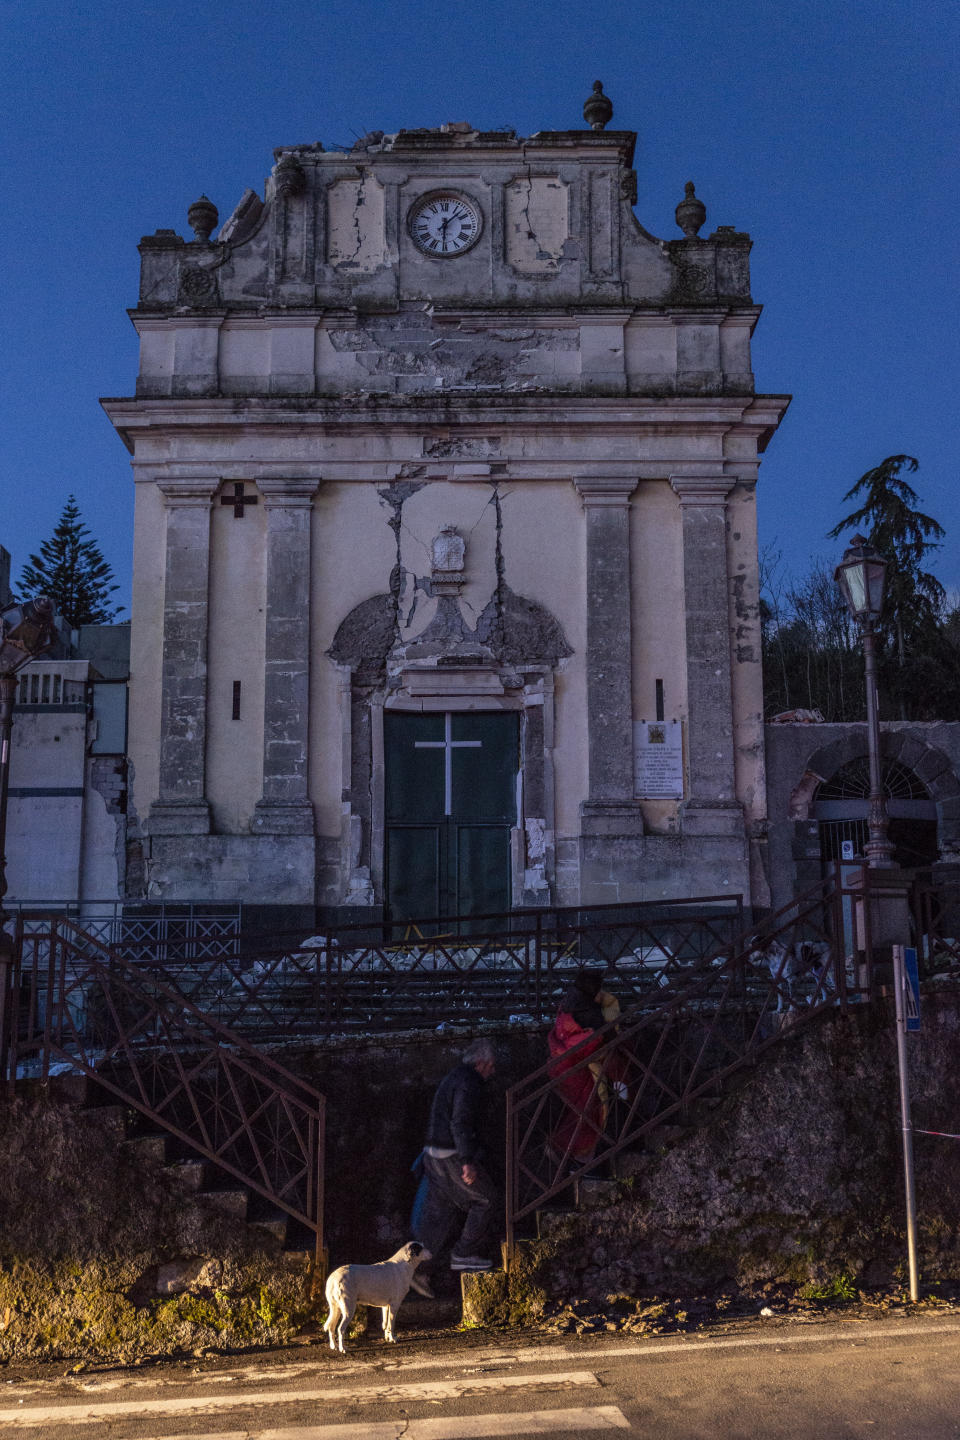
{"type": "Point", "coordinates": [445, 223]}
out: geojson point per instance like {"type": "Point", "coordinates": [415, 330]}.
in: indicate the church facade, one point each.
{"type": "Point", "coordinates": [445, 581]}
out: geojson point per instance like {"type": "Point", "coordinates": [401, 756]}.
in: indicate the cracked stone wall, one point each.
{"type": "Point", "coordinates": [332, 233]}
{"type": "Point", "coordinates": [570, 393]}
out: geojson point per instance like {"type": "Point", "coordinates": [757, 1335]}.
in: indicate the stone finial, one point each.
{"type": "Point", "coordinates": [289, 177]}
{"type": "Point", "coordinates": [598, 109]}
{"type": "Point", "coordinates": [691, 212]}
{"type": "Point", "coordinates": [202, 217]}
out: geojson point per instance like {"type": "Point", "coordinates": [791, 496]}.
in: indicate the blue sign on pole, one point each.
{"type": "Point", "coordinates": [911, 977]}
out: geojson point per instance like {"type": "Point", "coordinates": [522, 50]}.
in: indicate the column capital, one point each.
{"type": "Point", "coordinates": [703, 489]}
{"type": "Point", "coordinates": [287, 491]}
{"type": "Point", "coordinates": [608, 490]}
{"type": "Point", "coordinates": [194, 491]}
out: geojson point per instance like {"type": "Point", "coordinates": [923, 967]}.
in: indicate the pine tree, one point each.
{"type": "Point", "coordinates": [71, 569]}
{"type": "Point", "coordinates": [910, 625]}
{"type": "Point", "coordinates": [903, 535]}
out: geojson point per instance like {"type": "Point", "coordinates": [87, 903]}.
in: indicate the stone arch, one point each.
{"type": "Point", "coordinates": [926, 760]}
{"type": "Point", "coordinates": [912, 749]}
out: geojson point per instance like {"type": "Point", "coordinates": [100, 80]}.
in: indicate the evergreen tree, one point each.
{"type": "Point", "coordinates": [72, 571]}
{"type": "Point", "coordinates": [811, 648]}
{"type": "Point", "coordinates": [904, 536]}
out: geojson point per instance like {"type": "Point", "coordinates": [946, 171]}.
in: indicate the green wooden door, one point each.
{"type": "Point", "coordinates": [451, 788]}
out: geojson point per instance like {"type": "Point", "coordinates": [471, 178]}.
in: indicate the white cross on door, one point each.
{"type": "Point", "coordinates": [447, 745]}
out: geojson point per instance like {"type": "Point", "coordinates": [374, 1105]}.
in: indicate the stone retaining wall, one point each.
{"type": "Point", "coordinates": [796, 1181]}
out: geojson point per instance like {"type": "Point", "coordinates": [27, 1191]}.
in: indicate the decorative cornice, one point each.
{"type": "Point", "coordinates": [287, 492]}
{"type": "Point", "coordinates": [703, 489]}
{"type": "Point", "coordinates": [608, 490]}
{"type": "Point", "coordinates": [197, 491]}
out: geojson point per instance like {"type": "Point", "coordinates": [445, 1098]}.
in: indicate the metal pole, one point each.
{"type": "Point", "coordinates": [899, 981]}
{"type": "Point", "coordinates": [879, 851]}
{"type": "Point", "coordinates": [511, 1197]}
{"type": "Point", "coordinates": [8, 685]}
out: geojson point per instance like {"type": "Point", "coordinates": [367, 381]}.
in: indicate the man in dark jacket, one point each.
{"type": "Point", "coordinates": [457, 1183]}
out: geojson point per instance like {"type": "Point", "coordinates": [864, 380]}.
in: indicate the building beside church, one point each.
{"type": "Point", "coordinates": [445, 578]}
{"type": "Point", "coordinates": [65, 833]}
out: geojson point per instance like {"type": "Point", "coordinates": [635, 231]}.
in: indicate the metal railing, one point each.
{"type": "Point", "coordinates": [936, 917]}
{"type": "Point", "coordinates": [200, 930]}
{"type": "Point", "coordinates": [578, 1110]}
{"type": "Point", "coordinates": [280, 988]}
{"type": "Point", "coordinates": [76, 1005]}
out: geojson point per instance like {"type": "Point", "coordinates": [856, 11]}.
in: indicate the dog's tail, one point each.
{"type": "Point", "coordinates": [331, 1319]}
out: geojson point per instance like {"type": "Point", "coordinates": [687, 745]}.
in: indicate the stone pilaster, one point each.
{"type": "Point", "coordinates": [610, 808]}
{"type": "Point", "coordinates": [181, 806]}
{"type": "Point", "coordinates": [284, 808]}
{"type": "Point", "coordinates": [711, 806]}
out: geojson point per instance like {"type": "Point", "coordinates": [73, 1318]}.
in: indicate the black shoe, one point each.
{"type": "Point", "coordinates": [474, 1264]}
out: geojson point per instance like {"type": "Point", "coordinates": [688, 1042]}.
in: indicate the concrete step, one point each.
{"type": "Point", "coordinates": [230, 1202]}
{"type": "Point", "coordinates": [592, 1191]}
{"type": "Point", "coordinates": [191, 1175]}
{"type": "Point", "coordinates": [150, 1150]}
{"type": "Point", "coordinates": [548, 1221]}
{"type": "Point", "coordinates": [69, 1088]}
{"type": "Point", "coordinates": [275, 1224]}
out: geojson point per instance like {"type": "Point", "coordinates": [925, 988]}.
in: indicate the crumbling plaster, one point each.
{"type": "Point", "coordinates": [493, 391]}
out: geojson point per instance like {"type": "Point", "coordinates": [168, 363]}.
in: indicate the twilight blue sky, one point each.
{"type": "Point", "coordinates": [828, 129]}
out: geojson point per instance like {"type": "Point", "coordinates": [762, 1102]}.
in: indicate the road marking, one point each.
{"type": "Point", "coordinates": [781, 1338]}
{"type": "Point", "coordinates": [33, 1415]}
{"type": "Point", "coordinates": [475, 1360]}
{"type": "Point", "coordinates": [444, 1427]}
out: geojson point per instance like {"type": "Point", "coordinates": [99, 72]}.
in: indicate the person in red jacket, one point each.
{"type": "Point", "coordinates": [585, 1007]}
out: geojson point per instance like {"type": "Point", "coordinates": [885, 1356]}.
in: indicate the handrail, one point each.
{"type": "Point", "coordinates": [350, 978]}
{"type": "Point", "coordinates": [83, 1005]}
{"type": "Point", "coordinates": [565, 1118]}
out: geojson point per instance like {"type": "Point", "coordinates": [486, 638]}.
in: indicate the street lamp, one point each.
{"type": "Point", "coordinates": [25, 632]}
{"type": "Point", "coordinates": [861, 576]}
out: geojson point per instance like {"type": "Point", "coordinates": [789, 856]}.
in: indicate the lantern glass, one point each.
{"type": "Point", "coordinates": [861, 575]}
{"type": "Point", "coordinates": [854, 584]}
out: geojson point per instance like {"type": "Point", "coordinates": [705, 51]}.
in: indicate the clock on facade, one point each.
{"type": "Point", "coordinates": [445, 223]}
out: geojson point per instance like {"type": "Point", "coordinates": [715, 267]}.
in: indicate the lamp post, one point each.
{"type": "Point", "coordinates": [25, 632]}
{"type": "Point", "coordinates": [861, 576]}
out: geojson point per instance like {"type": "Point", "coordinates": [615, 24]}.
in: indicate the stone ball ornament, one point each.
{"type": "Point", "coordinates": [202, 218]}
{"type": "Point", "coordinates": [598, 108]}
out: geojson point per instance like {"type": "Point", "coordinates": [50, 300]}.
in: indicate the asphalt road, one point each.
{"type": "Point", "coordinates": [770, 1378]}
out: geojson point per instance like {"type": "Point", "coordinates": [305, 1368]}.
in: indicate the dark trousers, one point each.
{"type": "Point", "coordinates": [449, 1196]}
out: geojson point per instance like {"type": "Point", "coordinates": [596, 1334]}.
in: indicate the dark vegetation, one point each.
{"type": "Point", "coordinates": [812, 656]}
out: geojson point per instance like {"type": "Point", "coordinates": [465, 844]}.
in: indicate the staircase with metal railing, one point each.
{"type": "Point", "coordinates": [175, 1029]}
{"type": "Point", "coordinates": [79, 1006]}
{"type": "Point", "coordinates": [281, 988]}
{"type": "Point", "coordinates": [709, 1023]}
{"type": "Point", "coordinates": [172, 1022]}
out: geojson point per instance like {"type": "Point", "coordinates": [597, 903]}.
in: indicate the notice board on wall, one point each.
{"type": "Point", "coordinates": [658, 759]}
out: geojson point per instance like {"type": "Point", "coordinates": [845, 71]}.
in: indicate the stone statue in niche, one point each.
{"type": "Point", "coordinates": [447, 555]}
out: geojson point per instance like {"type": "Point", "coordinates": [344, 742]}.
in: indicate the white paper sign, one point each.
{"type": "Point", "coordinates": [658, 759]}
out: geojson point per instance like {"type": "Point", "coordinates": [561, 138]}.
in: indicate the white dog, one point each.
{"type": "Point", "coordinates": [384, 1284]}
